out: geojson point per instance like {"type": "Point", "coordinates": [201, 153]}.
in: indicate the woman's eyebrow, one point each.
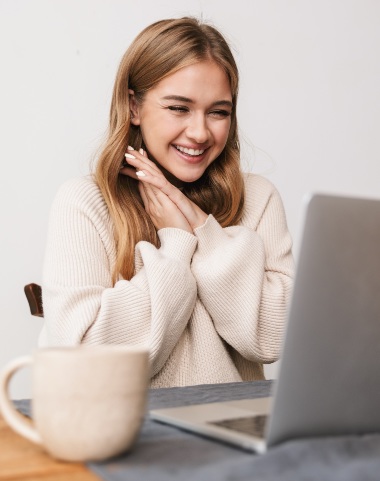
{"type": "Point", "coordinates": [180, 98]}
{"type": "Point", "coordinates": [227, 103]}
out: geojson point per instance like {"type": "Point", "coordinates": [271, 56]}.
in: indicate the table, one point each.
{"type": "Point", "coordinates": [22, 460]}
{"type": "Point", "coordinates": [166, 453]}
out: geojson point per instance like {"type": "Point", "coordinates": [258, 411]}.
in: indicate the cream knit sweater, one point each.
{"type": "Point", "coordinates": [210, 306]}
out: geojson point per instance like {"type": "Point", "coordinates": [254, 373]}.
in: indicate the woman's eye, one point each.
{"type": "Point", "coordinates": [178, 108]}
{"type": "Point", "coordinates": [220, 113]}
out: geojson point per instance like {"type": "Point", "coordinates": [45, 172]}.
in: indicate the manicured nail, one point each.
{"type": "Point", "coordinates": [141, 151]}
{"type": "Point", "coordinates": [130, 148]}
{"type": "Point", "coordinates": [140, 173]}
{"type": "Point", "coordinates": [129, 156]}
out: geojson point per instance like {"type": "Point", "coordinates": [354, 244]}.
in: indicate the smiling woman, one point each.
{"type": "Point", "coordinates": [185, 119]}
{"type": "Point", "coordinates": [169, 244]}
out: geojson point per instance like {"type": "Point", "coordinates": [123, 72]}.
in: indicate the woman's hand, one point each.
{"type": "Point", "coordinates": [160, 197]}
{"type": "Point", "coordinates": [162, 211]}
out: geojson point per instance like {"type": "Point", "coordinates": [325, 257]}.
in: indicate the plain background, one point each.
{"type": "Point", "coordinates": [309, 111]}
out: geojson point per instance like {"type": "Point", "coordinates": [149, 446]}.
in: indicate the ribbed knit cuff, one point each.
{"type": "Point", "coordinates": [177, 243]}
{"type": "Point", "coordinates": [209, 234]}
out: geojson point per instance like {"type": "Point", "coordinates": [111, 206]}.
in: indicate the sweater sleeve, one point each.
{"type": "Point", "coordinates": [244, 275]}
{"type": "Point", "coordinates": [81, 304]}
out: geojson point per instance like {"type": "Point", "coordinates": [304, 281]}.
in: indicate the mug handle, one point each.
{"type": "Point", "coordinates": [16, 420]}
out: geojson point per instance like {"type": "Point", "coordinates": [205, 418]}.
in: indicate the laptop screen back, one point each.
{"type": "Point", "coordinates": [329, 374]}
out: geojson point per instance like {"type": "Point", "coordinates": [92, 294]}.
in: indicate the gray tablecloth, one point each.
{"type": "Point", "coordinates": [166, 453]}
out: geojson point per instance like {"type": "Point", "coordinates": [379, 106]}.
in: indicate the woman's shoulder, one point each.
{"type": "Point", "coordinates": [79, 190]}
{"type": "Point", "coordinates": [259, 191]}
{"type": "Point", "coordinates": [81, 193]}
{"type": "Point", "coordinates": [78, 187]}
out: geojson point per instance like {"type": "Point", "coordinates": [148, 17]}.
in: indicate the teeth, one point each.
{"type": "Point", "coordinates": [189, 151]}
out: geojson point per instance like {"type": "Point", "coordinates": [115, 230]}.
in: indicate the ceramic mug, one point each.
{"type": "Point", "coordinates": [88, 403]}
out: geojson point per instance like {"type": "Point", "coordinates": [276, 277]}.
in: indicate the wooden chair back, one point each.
{"type": "Point", "coordinates": [33, 294]}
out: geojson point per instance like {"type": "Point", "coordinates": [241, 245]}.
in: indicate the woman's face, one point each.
{"type": "Point", "coordinates": [185, 119]}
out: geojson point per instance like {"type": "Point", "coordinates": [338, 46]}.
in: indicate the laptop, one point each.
{"type": "Point", "coordinates": [329, 376]}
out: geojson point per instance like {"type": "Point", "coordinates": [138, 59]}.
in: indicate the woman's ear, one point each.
{"type": "Point", "coordinates": [134, 108]}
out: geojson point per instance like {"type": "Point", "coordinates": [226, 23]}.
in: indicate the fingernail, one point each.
{"type": "Point", "coordinates": [129, 156]}
{"type": "Point", "coordinates": [140, 173]}
{"type": "Point", "coordinates": [130, 148]}
{"type": "Point", "coordinates": [141, 151]}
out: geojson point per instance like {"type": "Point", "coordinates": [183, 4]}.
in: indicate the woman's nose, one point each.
{"type": "Point", "coordinates": [197, 129]}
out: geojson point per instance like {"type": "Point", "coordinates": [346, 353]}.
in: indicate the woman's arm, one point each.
{"type": "Point", "coordinates": [244, 274]}
{"type": "Point", "coordinates": [80, 303]}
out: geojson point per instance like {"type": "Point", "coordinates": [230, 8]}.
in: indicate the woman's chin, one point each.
{"type": "Point", "coordinates": [179, 179]}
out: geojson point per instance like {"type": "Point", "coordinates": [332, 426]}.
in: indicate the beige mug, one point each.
{"type": "Point", "coordinates": [88, 403]}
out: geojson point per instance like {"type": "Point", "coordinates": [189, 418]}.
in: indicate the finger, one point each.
{"type": "Point", "coordinates": [129, 171]}
{"type": "Point", "coordinates": [143, 195]}
{"type": "Point", "coordinates": [154, 208]}
{"type": "Point", "coordinates": [141, 169]}
{"type": "Point", "coordinates": [154, 195]}
{"type": "Point", "coordinates": [140, 155]}
{"type": "Point", "coordinates": [148, 172]}
{"type": "Point", "coordinates": [151, 202]}
{"type": "Point", "coordinates": [139, 159]}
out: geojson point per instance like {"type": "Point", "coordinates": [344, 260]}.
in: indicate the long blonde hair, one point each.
{"type": "Point", "coordinates": [158, 51]}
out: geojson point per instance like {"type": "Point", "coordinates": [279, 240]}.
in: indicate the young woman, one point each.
{"type": "Point", "coordinates": [169, 244]}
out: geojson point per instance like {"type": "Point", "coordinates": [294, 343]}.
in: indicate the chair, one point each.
{"type": "Point", "coordinates": [33, 293]}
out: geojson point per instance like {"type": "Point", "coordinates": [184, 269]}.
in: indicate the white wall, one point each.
{"type": "Point", "coordinates": [309, 108]}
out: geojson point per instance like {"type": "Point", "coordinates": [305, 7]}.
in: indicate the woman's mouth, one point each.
{"type": "Point", "coordinates": [192, 152]}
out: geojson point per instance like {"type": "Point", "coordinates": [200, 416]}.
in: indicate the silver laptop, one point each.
{"type": "Point", "coordinates": [329, 376]}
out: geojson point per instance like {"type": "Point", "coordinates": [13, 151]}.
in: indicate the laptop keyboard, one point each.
{"type": "Point", "coordinates": [252, 425]}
